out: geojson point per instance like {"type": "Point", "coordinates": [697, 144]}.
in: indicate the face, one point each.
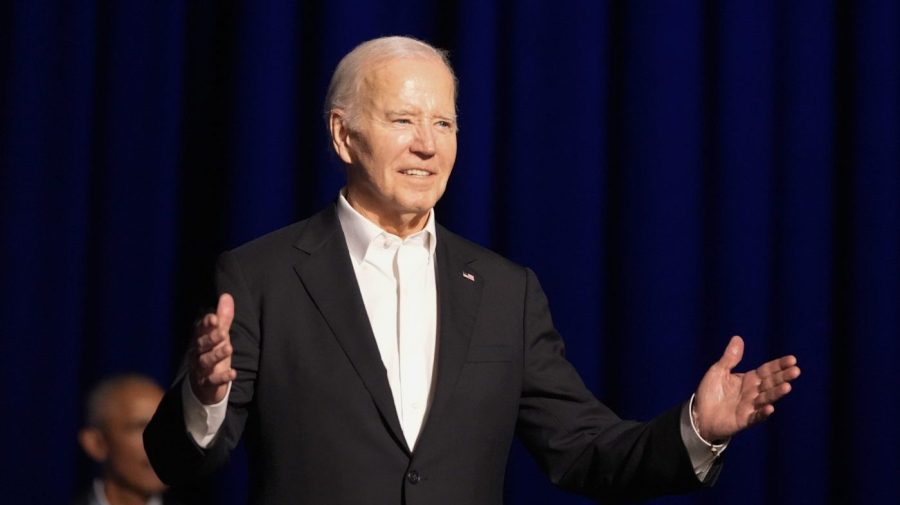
{"type": "Point", "coordinates": [403, 146]}
{"type": "Point", "coordinates": [128, 411]}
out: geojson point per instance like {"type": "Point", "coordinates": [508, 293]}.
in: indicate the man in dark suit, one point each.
{"type": "Point", "coordinates": [372, 356]}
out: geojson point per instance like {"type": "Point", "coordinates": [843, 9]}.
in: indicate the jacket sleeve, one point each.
{"type": "Point", "coordinates": [175, 456]}
{"type": "Point", "coordinates": [580, 443]}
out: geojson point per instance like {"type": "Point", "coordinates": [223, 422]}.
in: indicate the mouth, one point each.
{"type": "Point", "coordinates": [416, 172]}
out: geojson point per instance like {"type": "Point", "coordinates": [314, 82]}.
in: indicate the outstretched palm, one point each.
{"type": "Point", "coordinates": [727, 402]}
{"type": "Point", "coordinates": [210, 354]}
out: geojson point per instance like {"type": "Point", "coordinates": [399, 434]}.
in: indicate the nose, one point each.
{"type": "Point", "coordinates": [423, 142]}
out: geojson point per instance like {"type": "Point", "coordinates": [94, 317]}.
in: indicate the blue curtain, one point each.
{"type": "Point", "coordinates": [675, 172]}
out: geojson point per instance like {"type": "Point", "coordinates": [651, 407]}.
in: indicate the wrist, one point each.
{"type": "Point", "coordinates": [208, 395]}
{"type": "Point", "coordinates": [699, 427]}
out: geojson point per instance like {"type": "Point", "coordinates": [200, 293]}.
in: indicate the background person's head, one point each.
{"type": "Point", "coordinates": [116, 412]}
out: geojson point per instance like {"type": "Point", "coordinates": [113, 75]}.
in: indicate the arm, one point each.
{"type": "Point", "coordinates": [224, 352]}
{"type": "Point", "coordinates": [585, 447]}
{"type": "Point", "coordinates": [578, 442]}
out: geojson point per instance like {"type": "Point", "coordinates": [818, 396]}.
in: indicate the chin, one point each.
{"type": "Point", "coordinates": [150, 484]}
{"type": "Point", "coordinates": [153, 488]}
{"type": "Point", "coordinates": [419, 205]}
{"type": "Point", "coordinates": [416, 210]}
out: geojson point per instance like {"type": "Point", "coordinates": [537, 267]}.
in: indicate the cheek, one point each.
{"type": "Point", "coordinates": [452, 156]}
{"type": "Point", "coordinates": [383, 155]}
{"type": "Point", "coordinates": [131, 449]}
{"type": "Point", "coordinates": [449, 154]}
{"type": "Point", "coordinates": [123, 460]}
{"type": "Point", "coordinates": [398, 147]}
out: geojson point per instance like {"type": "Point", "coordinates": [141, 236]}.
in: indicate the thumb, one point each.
{"type": "Point", "coordinates": [733, 353]}
{"type": "Point", "coordinates": [225, 311]}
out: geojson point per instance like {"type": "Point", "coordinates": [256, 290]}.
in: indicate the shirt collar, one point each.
{"type": "Point", "coordinates": [100, 495]}
{"type": "Point", "coordinates": [360, 232]}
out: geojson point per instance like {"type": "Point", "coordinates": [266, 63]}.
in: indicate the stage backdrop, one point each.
{"type": "Point", "coordinates": [675, 172]}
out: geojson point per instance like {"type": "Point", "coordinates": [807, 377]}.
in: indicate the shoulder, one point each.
{"type": "Point", "coordinates": [300, 234]}
{"type": "Point", "coordinates": [285, 245]}
{"type": "Point", "coordinates": [82, 500]}
{"type": "Point", "coordinates": [480, 258]}
{"type": "Point", "coordinates": [86, 497]}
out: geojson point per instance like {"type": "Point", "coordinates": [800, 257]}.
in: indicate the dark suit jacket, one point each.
{"type": "Point", "coordinates": [313, 400]}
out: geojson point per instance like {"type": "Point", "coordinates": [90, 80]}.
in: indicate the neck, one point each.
{"type": "Point", "coordinates": [118, 494]}
{"type": "Point", "coordinates": [401, 225]}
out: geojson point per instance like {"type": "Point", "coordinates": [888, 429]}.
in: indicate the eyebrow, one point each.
{"type": "Point", "coordinates": [414, 112]}
{"type": "Point", "coordinates": [402, 112]}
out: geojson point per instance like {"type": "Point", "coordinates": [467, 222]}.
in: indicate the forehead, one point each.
{"type": "Point", "coordinates": [417, 79]}
{"type": "Point", "coordinates": [132, 399]}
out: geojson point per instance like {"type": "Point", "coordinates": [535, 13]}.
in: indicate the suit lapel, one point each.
{"type": "Point", "coordinates": [331, 282]}
{"type": "Point", "coordinates": [459, 288]}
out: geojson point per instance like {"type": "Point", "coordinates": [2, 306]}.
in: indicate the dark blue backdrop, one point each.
{"type": "Point", "coordinates": [675, 171]}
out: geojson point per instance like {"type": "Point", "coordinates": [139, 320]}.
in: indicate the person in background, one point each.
{"type": "Point", "coordinates": [116, 412]}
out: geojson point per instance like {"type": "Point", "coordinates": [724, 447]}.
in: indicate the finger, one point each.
{"type": "Point", "coordinates": [205, 342]}
{"type": "Point", "coordinates": [208, 360]}
{"type": "Point", "coordinates": [776, 365]}
{"type": "Point", "coordinates": [221, 378]}
{"type": "Point", "coordinates": [205, 325]}
{"type": "Point", "coordinates": [225, 311]}
{"type": "Point", "coordinates": [772, 395]}
{"type": "Point", "coordinates": [217, 379]}
{"type": "Point", "coordinates": [733, 353]}
{"type": "Point", "coordinates": [210, 339]}
{"type": "Point", "coordinates": [214, 328]}
{"type": "Point", "coordinates": [751, 384]}
{"type": "Point", "coordinates": [777, 378]}
{"type": "Point", "coordinates": [761, 414]}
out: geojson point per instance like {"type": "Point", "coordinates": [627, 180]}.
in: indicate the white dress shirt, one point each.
{"type": "Point", "coordinates": [98, 495]}
{"type": "Point", "coordinates": [379, 260]}
{"type": "Point", "coordinates": [396, 279]}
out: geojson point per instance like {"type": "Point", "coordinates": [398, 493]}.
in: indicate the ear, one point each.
{"type": "Point", "coordinates": [94, 444]}
{"type": "Point", "coordinates": [340, 135]}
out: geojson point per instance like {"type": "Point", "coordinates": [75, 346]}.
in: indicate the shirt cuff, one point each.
{"type": "Point", "coordinates": [202, 421]}
{"type": "Point", "coordinates": [702, 453]}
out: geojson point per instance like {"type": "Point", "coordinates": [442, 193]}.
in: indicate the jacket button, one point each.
{"type": "Point", "coordinates": [413, 477]}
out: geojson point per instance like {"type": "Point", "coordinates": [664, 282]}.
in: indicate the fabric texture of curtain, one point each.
{"type": "Point", "coordinates": [675, 172]}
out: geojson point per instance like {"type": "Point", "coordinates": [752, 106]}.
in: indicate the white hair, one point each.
{"type": "Point", "coordinates": [346, 82]}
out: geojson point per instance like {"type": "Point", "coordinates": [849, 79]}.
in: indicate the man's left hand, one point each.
{"type": "Point", "coordinates": [727, 402]}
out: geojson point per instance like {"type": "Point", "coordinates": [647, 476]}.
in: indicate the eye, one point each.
{"type": "Point", "coordinates": [445, 124]}
{"type": "Point", "coordinates": [402, 121]}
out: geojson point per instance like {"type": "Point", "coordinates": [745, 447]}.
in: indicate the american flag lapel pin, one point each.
{"type": "Point", "coordinates": [469, 276]}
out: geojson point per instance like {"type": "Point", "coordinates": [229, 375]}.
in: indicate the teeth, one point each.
{"type": "Point", "coordinates": [415, 171]}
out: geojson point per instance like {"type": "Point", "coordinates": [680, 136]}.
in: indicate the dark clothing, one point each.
{"type": "Point", "coordinates": [313, 400]}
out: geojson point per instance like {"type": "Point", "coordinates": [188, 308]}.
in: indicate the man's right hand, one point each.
{"type": "Point", "coordinates": [210, 354]}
